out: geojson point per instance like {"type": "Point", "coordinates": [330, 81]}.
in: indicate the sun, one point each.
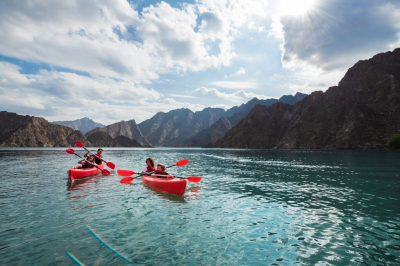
{"type": "Point", "coordinates": [296, 7]}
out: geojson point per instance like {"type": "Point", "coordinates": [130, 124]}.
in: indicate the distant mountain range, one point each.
{"type": "Point", "coordinates": [182, 127]}
{"type": "Point", "coordinates": [232, 117]}
{"type": "Point", "coordinates": [127, 129]}
{"type": "Point", "coordinates": [83, 125]}
{"type": "Point", "coordinates": [360, 113]}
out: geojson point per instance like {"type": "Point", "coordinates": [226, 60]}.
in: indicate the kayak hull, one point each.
{"type": "Point", "coordinates": [170, 184]}
{"type": "Point", "coordinates": [76, 173]}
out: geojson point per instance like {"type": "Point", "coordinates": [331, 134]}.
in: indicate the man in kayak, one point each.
{"type": "Point", "coordinates": [161, 171]}
{"type": "Point", "coordinates": [98, 158]}
{"type": "Point", "coordinates": [89, 163]}
{"type": "Point", "coordinates": [149, 169]}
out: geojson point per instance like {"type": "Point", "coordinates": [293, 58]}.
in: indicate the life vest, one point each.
{"type": "Point", "coordinates": [86, 164]}
{"type": "Point", "coordinates": [161, 172]}
{"type": "Point", "coordinates": [150, 169]}
{"type": "Point", "coordinates": [97, 158]}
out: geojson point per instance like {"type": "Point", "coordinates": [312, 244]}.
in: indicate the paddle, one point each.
{"type": "Point", "coordinates": [127, 179]}
{"type": "Point", "coordinates": [103, 171]}
{"type": "Point", "coordinates": [129, 172]}
{"type": "Point", "coordinates": [109, 164]}
{"type": "Point", "coordinates": [126, 172]}
{"type": "Point", "coordinates": [194, 179]}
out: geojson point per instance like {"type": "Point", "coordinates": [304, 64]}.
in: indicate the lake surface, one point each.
{"type": "Point", "coordinates": [252, 207]}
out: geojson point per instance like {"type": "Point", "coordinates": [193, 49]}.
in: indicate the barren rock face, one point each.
{"type": "Point", "coordinates": [360, 113]}
{"type": "Point", "coordinates": [29, 131]}
{"type": "Point", "coordinates": [232, 117]}
{"type": "Point", "coordinates": [170, 129]}
{"type": "Point", "coordinates": [124, 128]}
{"type": "Point", "coordinates": [83, 125]}
{"type": "Point", "coordinates": [102, 139]}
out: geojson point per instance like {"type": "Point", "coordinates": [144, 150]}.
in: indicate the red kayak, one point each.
{"type": "Point", "coordinates": [169, 184]}
{"type": "Point", "coordinates": [76, 173]}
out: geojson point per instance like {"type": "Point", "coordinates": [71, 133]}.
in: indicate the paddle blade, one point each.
{"type": "Point", "coordinates": [126, 179]}
{"type": "Point", "coordinates": [125, 172]}
{"type": "Point", "coordinates": [111, 165]}
{"type": "Point", "coordinates": [194, 179]}
{"type": "Point", "coordinates": [70, 151]}
{"type": "Point", "coordinates": [78, 144]}
{"type": "Point", "coordinates": [105, 172]}
{"type": "Point", "coordinates": [182, 162]}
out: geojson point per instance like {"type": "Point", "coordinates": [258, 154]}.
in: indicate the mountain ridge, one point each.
{"type": "Point", "coordinates": [84, 124]}
{"type": "Point", "coordinates": [360, 113]}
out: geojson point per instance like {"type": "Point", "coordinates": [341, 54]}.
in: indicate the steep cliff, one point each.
{"type": "Point", "coordinates": [360, 113]}
{"type": "Point", "coordinates": [169, 129]}
{"type": "Point", "coordinates": [30, 131]}
{"type": "Point", "coordinates": [237, 113]}
{"type": "Point", "coordinates": [83, 125]}
{"type": "Point", "coordinates": [124, 128]}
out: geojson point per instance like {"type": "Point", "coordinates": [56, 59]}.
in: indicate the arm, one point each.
{"type": "Point", "coordinates": [86, 154]}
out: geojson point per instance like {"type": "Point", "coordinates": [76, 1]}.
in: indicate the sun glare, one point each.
{"type": "Point", "coordinates": [296, 7]}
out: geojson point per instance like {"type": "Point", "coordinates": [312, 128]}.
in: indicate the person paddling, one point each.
{"type": "Point", "coordinates": [149, 169]}
{"type": "Point", "coordinates": [89, 163]}
{"type": "Point", "coordinates": [98, 158]}
{"type": "Point", "coordinates": [161, 171]}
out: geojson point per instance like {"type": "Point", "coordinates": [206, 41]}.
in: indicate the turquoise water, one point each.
{"type": "Point", "coordinates": [252, 207]}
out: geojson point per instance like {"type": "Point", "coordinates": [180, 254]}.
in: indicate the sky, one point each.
{"type": "Point", "coordinates": [113, 60]}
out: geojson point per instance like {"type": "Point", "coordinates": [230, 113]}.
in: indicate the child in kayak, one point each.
{"type": "Point", "coordinates": [98, 158]}
{"type": "Point", "coordinates": [149, 169]}
{"type": "Point", "coordinates": [161, 171]}
{"type": "Point", "coordinates": [89, 163]}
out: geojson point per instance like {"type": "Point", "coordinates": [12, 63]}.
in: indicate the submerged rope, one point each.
{"type": "Point", "coordinates": [108, 246]}
{"type": "Point", "coordinates": [75, 259]}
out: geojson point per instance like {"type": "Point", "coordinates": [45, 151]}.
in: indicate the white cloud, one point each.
{"type": "Point", "coordinates": [68, 96]}
{"type": "Point", "coordinates": [327, 42]}
{"type": "Point", "coordinates": [236, 84]}
{"type": "Point", "coordinates": [96, 36]}
{"type": "Point", "coordinates": [182, 96]}
{"type": "Point", "coordinates": [240, 71]}
{"type": "Point", "coordinates": [237, 97]}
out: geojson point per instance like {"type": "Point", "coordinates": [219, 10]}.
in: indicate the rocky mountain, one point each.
{"type": "Point", "coordinates": [103, 139]}
{"type": "Point", "coordinates": [30, 131]}
{"type": "Point", "coordinates": [360, 113]}
{"type": "Point", "coordinates": [232, 117]}
{"type": "Point", "coordinates": [124, 128]}
{"type": "Point", "coordinates": [169, 129]}
{"type": "Point", "coordinates": [83, 125]}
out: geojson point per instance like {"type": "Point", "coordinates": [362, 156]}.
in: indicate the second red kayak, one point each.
{"type": "Point", "coordinates": [76, 173]}
{"type": "Point", "coordinates": [169, 184]}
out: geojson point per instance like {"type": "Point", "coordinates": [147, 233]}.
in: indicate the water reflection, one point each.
{"type": "Point", "coordinates": [252, 207]}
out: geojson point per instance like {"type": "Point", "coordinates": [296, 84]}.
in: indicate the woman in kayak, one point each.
{"type": "Point", "coordinates": [98, 158]}
{"type": "Point", "coordinates": [89, 163]}
{"type": "Point", "coordinates": [161, 171]}
{"type": "Point", "coordinates": [150, 166]}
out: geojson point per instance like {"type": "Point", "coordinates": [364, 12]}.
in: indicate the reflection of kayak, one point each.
{"type": "Point", "coordinates": [76, 173]}
{"type": "Point", "coordinates": [170, 184]}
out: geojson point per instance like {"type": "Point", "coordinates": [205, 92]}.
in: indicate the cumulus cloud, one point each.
{"type": "Point", "coordinates": [110, 38]}
{"type": "Point", "coordinates": [68, 96]}
{"type": "Point", "coordinates": [236, 84]}
{"type": "Point", "coordinates": [182, 96]}
{"type": "Point", "coordinates": [237, 97]}
{"type": "Point", "coordinates": [336, 34]}
{"type": "Point", "coordinates": [240, 71]}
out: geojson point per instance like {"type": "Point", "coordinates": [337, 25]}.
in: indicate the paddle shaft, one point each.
{"type": "Point", "coordinates": [89, 162]}
{"type": "Point", "coordinates": [95, 155]}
